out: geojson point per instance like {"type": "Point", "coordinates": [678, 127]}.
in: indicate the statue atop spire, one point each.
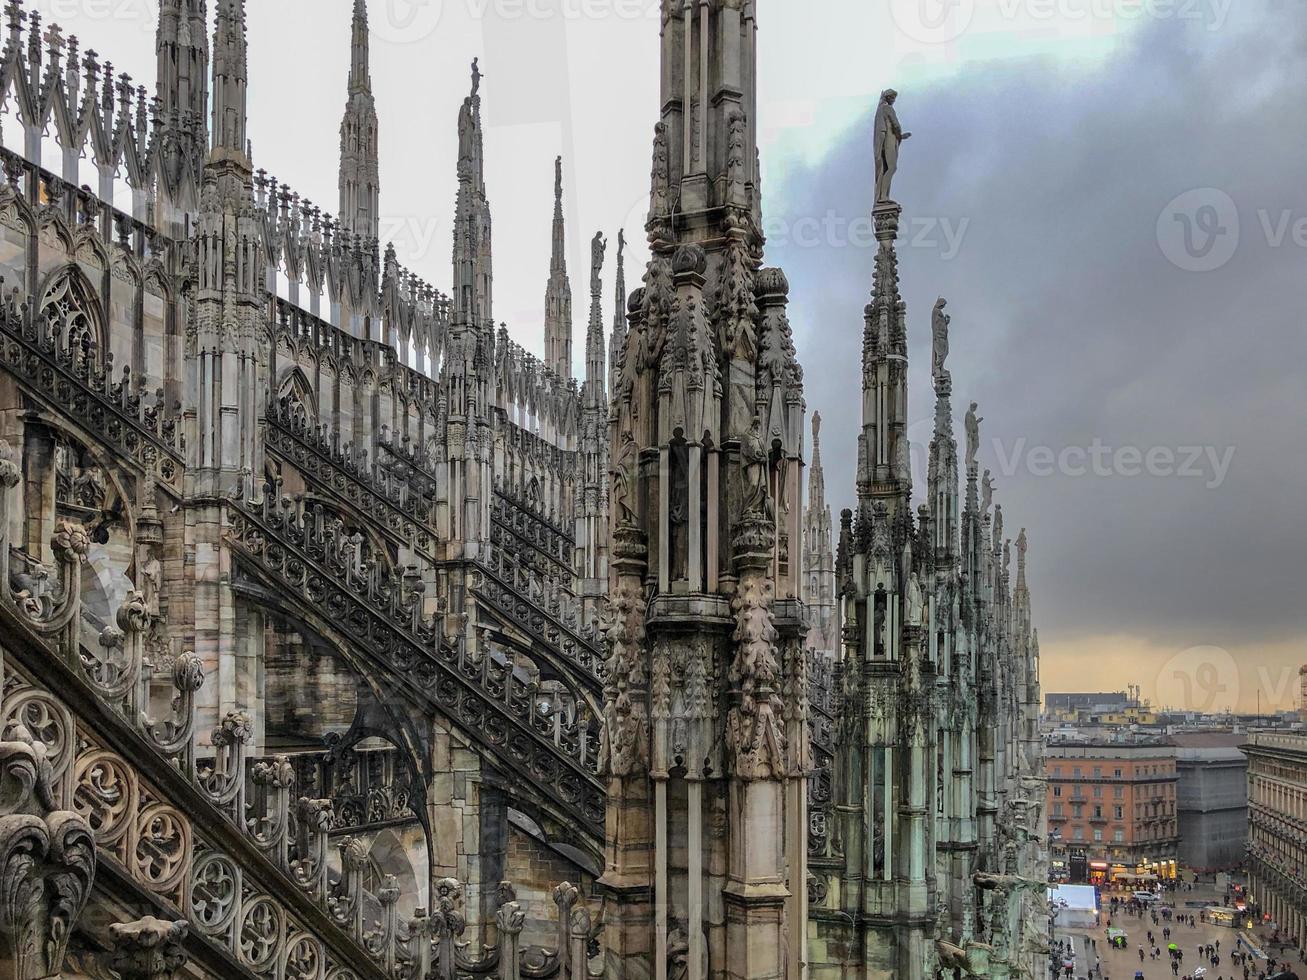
{"type": "Point", "coordinates": [889, 136]}
{"type": "Point", "coordinates": [476, 78]}
{"type": "Point", "coordinates": [973, 434]}
{"type": "Point", "coordinates": [939, 323]}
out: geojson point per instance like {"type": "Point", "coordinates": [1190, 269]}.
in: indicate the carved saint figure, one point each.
{"type": "Point", "coordinates": [916, 615]}
{"type": "Point", "coordinates": [986, 493]}
{"type": "Point", "coordinates": [476, 77]}
{"type": "Point", "coordinates": [152, 583]}
{"type": "Point", "coordinates": [753, 459]}
{"type": "Point", "coordinates": [889, 135]}
{"type": "Point", "coordinates": [973, 434]}
{"type": "Point", "coordinates": [625, 474]}
{"type": "Point", "coordinates": [598, 248]}
{"type": "Point", "coordinates": [939, 333]}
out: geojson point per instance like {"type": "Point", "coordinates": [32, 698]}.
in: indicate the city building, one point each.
{"type": "Point", "coordinates": [1277, 830]}
{"type": "Point", "coordinates": [1211, 800]}
{"type": "Point", "coordinates": [1112, 809]}
{"type": "Point", "coordinates": [346, 639]}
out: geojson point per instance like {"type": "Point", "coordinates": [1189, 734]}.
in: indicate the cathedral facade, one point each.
{"type": "Point", "coordinates": [345, 638]}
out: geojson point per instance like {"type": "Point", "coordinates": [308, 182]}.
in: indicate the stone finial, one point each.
{"type": "Point", "coordinates": [148, 949]}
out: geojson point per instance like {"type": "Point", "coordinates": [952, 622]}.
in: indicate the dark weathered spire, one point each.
{"type": "Point", "coordinates": [558, 294]}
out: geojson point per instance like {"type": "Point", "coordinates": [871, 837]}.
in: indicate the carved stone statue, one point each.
{"type": "Point", "coordinates": [939, 334]}
{"type": "Point", "coordinates": [753, 460]}
{"type": "Point", "coordinates": [152, 583]}
{"type": "Point", "coordinates": [986, 493]}
{"type": "Point", "coordinates": [889, 135]}
{"type": "Point", "coordinates": [476, 77]}
{"type": "Point", "coordinates": [625, 475]}
{"type": "Point", "coordinates": [598, 248]}
{"type": "Point", "coordinates": [916, 614]}
{"type": "Point", "coordinates": [973, 434]}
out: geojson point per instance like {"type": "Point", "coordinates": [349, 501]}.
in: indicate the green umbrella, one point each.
{"type": "Point", "coordinates": [1173, 946]}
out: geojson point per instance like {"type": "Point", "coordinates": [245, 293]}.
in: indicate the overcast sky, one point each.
{"type": "Point", "coordinates": [1109, 193]}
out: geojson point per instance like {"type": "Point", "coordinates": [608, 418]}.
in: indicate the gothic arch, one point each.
{"type": "Point", "coordinates": [294, 388]}
{"type": "Point", "coordinates": [71, 308]}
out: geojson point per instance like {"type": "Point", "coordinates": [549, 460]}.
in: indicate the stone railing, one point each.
{"type": "Point", "coordinates": [523, 521]}
{"type": "Point", "coordinates": [314, 564]}
{"type": "Point", "coordinates": [362, 785]}
{"type": "Point", "coordinates": [401, 508]}
{"type": "Point", "coordinates": [80, 382]}
{"type": "Point", "coordinates": [222, 843]}
{"type": "Point", "coordinates": [240, 859]}
{"type": "Point", "coordinates": [508, 588]}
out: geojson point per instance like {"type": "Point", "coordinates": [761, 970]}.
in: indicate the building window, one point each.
{"type": "Point", "coordinates": [1098, 791]}
{"type": "Point", "coordinates": [1119, 812]}
{"type": "Point", "coordinates": [1116, 773]}
{"type": "Point", "coordinates": [1118, 792]}
{"type": "Point", "coordinates": [1057, 790]}
{"type": "Point", "coordinates": [1098, 812]}
{"type": "Point", "coordinates": [1098, 772]}
{"type": "Point", "coordinates": [1119, 837]}
{"type": "Point", "coordinates": [1076, 772]}
{"type": "Point", "coordinates": [1057, 809]}
{"type": "Point", "coordinates": [1078, 833]}
{"type": "Point", "coordinates": [1098, 837]}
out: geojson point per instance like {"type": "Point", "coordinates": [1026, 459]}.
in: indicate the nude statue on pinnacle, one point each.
{"type": "Point", "coordinates": [889, 136]}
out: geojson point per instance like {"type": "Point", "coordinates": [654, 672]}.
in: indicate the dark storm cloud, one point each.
{"type": "Point", "coordinates": [1071, 325]}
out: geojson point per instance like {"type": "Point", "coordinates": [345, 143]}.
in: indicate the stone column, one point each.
{"type": "Point", "coordinates": [148, 949]}
{"type": "Point", "coordinates": [755, 894]}
{"type": "Point", "coordinates": [624, 759]}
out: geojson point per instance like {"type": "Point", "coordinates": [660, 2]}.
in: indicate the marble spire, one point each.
{"type": "Point", "coordinates": [359, 153]}
{"type": "Point", "coordinates": [617, 340]}
{"type": "Point", "coordinates": [230, 82]}
{"type": "Point", "coordinates": [558, 294]}
{"type": "Point", "coordinates": [592, 392]}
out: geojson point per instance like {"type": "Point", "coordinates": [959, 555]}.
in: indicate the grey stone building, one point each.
{"type": "Point", "coordinates": [1211, 800]}
{"type": "Point", "coordinates": [344, 638]}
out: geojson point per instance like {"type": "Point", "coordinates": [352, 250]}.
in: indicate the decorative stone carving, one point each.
{"type": "Point", "coordinates": [47, 862]}
{"type": "Point", "coordinates": [148, 949]}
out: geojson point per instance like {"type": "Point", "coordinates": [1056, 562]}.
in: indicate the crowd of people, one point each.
{"type": "Point", "coordinates": [1164, 945]}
